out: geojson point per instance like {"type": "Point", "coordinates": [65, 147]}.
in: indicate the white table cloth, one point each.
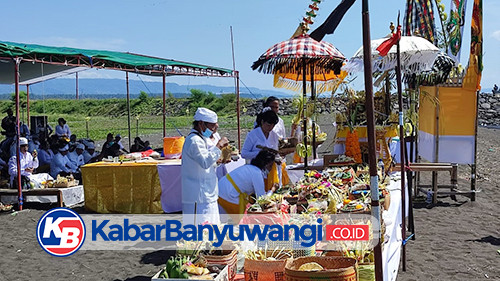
{"type": "Point", "coordinates": [171, 184]}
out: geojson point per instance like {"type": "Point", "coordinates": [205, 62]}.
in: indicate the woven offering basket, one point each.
{"type": "Point", "coordinates": [265, 269]}
{"type": "Point", "coordinates": [335, 269]}
{"type": "Point", "coordinates": [366, 272]}
{"type": "Point", "coordinates": [228, 258]}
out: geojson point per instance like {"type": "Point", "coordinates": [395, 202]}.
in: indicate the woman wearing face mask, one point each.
{"type": "Point", "coordinates": [235, 187]}
{"type": "Point", "coordinates": [199, 180]}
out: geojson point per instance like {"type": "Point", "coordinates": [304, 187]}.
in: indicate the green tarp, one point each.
{"type": "Point", "coordinates": [105, 59]}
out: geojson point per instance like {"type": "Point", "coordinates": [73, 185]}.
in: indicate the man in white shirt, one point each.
{"type": "Point", "coordinates": [76, 156]}
{"type": "Point", "coordinates": [199, 179]}
{"type": "Point", "coordinates": [60, 164]}
{"type": "Point", "coordinates": [274, 103]}
{"type": "Point", "coordinates": [28, 162]}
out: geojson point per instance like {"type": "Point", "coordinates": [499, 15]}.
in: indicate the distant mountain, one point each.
{"type": "Point", "coordinates": [116, 88]}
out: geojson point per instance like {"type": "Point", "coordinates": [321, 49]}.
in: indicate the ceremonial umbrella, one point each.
{"type": "Point", "coordinates": [409, 55]}
{"type": "Point", "coordinates": [417, 55]}
{"type": "Point", "coordinates": [304, 57]}
{"type": "Point", "coordinates": [437, 75]}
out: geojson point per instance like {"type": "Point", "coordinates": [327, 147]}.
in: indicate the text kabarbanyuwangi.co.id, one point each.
{"type": "Point", "coordinates": [176, 232]}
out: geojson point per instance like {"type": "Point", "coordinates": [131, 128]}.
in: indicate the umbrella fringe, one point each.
{"type": "Point", "coordinates": [411, 63]}
{"type": "Point", "coordinates": [294, 65]}
{"type": "Point", "coordinates": [296, 86]}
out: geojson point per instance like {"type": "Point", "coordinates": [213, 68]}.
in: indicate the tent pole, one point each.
{"type": "Point", "coordinates": [28, 105]}
{"type": "Point", "coordinates": [18, 159]}
{"type": "Point", "coordinates": [164, 105]}
{"type": "Point", "coordinates": [367, 60]}
{"type": "Point", "coordinates": [304, 109]}
{"type": "Point", "coordinates": [313, 100]}
{"type": "Point", "coordinates": [237, 81]}
{"type": "Point", "coordinates": [76, 86]}
{"type": "Point", "coordinates": [128, 110]}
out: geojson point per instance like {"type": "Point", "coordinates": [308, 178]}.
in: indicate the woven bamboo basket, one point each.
{"type": "Point", "coordinates": [335, 269]}
{"type": "Point", "coordinates": [366, 272]}
{"type": "Point", "coordinates": [228, 257]}
{"type": "Point", "coordinates": [259, 270]}
{"type": "Point", "coordinates": [333, 253]}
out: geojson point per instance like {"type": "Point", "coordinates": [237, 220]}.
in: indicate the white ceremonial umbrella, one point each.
{"type": "Point", "coordinates": [417, 55]}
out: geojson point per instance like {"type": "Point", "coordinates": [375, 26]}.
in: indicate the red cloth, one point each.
{"type": "Point", "coordinates": [146, 153]}
{"type": "Point", "coordinates": [387, 44]}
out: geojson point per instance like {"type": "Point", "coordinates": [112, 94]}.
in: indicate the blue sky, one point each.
{"type": "Point", "coordinates": [198, 30]}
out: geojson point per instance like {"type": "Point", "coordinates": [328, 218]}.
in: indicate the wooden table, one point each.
{"type": "Point", "coordinates": [36, 192]}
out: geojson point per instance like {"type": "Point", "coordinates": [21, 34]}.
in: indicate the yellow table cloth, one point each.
{"type": "Point", "coordinates": [128, 187]}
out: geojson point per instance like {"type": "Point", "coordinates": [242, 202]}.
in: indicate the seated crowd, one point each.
{"type": "Point", "coordinates": [61, 153]}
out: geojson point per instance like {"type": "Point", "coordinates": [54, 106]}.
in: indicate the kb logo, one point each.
{"type": "Point", "coordinates": [60, 232]}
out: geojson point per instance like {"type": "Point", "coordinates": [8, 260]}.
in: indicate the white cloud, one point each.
{"type": "Point", "coordinates": [496, 35]}
{"type": "Point", "coordinates": [110, 44]}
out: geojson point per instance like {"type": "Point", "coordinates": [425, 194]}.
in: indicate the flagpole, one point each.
{"type": "Point", "coordinates": [370, 126]}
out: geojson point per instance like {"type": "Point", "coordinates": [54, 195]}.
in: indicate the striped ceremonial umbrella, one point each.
{"type": "Point", "coordinates": [289, 56]}
{"type": "Point", "coordinates": [304, 57]}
